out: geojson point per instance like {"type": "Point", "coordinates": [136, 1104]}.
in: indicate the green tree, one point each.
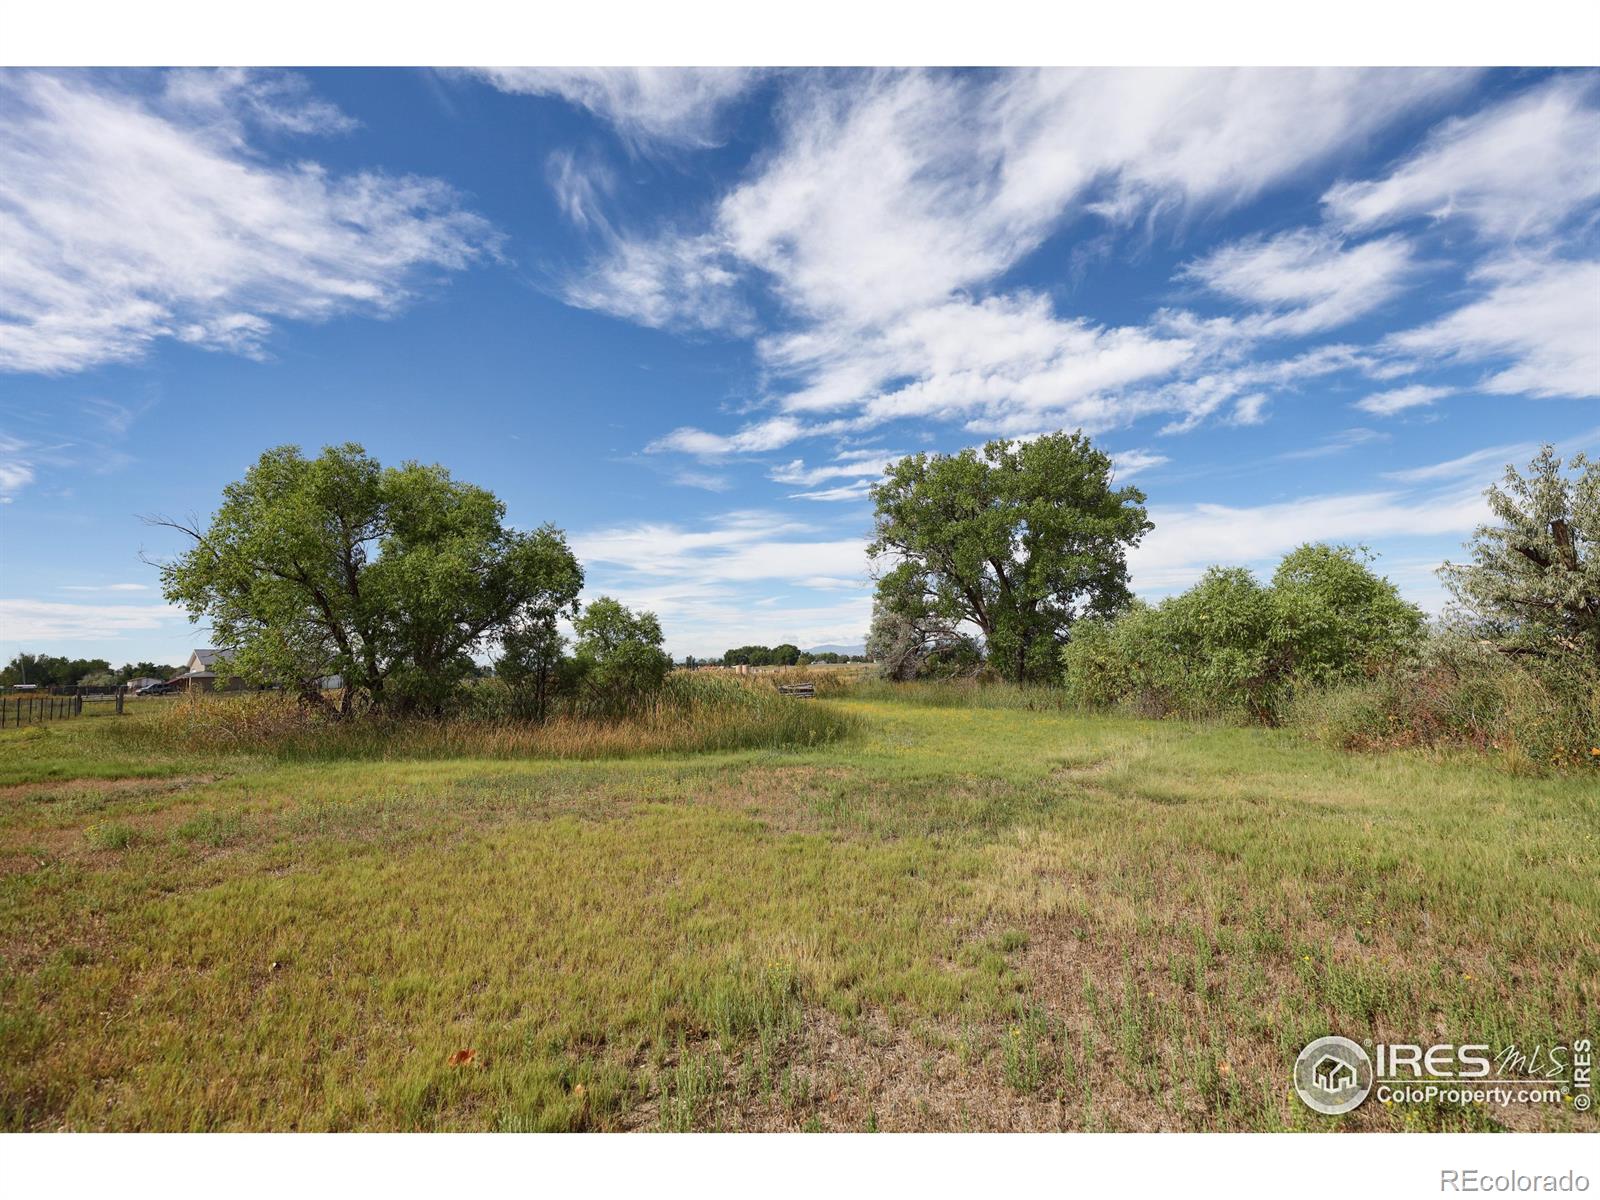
{"type": "Point", "coordinates": [387, 576]}
{"type": "Point", "coordinates": [1534, 579]}
{"type": "Point", "coordinates": [51, 670]}
{"type": "Point", "coordinates": [532, 659]}
{"type": "Point", "coordinates": [1019, 539]}
{"type": "Point", "coordinates": [1337, 618]}
{"type": "Point", "coordinates": [618, 659]}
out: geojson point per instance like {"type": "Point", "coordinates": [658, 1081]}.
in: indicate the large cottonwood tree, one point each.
{"type": "Point", "coordinates": [387, 576]}
{"type": "Point", "coordinates": [1020, 539]}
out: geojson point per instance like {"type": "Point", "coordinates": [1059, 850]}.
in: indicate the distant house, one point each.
{"type": "Point", "coordinates": [204, 670]}
{"type": "Point", "coordinates": [142, 681]}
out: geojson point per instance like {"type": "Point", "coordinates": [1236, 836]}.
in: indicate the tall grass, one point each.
{"type": "Point", "coordinates": [978, 692]}
{"type": "Point", "coordinates": [1531, 715]}
{"type": "Point", "coordinates": [691, 712]}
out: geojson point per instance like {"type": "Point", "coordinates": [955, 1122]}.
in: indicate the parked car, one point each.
{"type": "Point", "coordinates": [156, 689]}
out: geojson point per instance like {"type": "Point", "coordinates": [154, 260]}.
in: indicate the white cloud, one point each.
{"type": "Point", "coordinates": [707, 623]}
{"type": "Point", "coordinates": [124, 221]}
{"type": "Point", "coordinates": [676, 105]}
{"type": "Point", "coordinates": [1542, 316]}
{"type": "Point", "coordinates": [1397, 400]}
{"type": "Point", "coordinates": [849, 491]}
{"type": "Point", "coordinates": [893, 197]}
{"type": "Point", "coordinates": [895, 192]}
{"type": "Point", "coordinates": [1304, 281]}
{"type": "Point", "coordinates": [703, 480]}
{"type": "Point", "coordinates": [847, 465]}
{"type": "Point", "coordinates": [741, 547]}
{"type": "Point", "coordinates": [56, 621]}
{"type": "Point", "coordinates": [1249, 410]}
{"type": "Point", "coordinates": [1130, 462]}
{"type": "Point", "coordinates": [16, 468]}
{"type": "Point", "coordinates": [663, 283]}
{"type": "Point", "coordinates": [752, 439]}
{"type": "Point", "coordinates": [1485, 463]}
{"type": "Point", "coordinates": [226, 100]}
{"type": "Point", "coordinates": [1186, 540]}
{"type": "Point", "coordinates": [106, 587]}
{"type": "Point", "coordinates": [580, 188]}
{"type": "Point", "coordinates": [1519, 168]}
{"type": "Point", "coordinates": [1490, 463]}
{"type": "Point", "coordinates": [1340, 442]}
{"type": "Point", "coordinates": [1209, 391]}
{"type": "Point", "coordinates": [728, 582]}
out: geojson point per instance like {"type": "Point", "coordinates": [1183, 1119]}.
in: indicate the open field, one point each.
{"type": "Point", "coordinates": [959, 917]}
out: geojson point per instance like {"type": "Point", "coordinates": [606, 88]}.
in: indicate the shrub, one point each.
{"type": "Point", "coordinates": [1535, 714]}
{"type": "Point", "coordinates": [1229, 647]}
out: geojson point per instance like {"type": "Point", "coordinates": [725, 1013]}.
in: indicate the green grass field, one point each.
{"type": "Point", "coordinates": [959, 917]}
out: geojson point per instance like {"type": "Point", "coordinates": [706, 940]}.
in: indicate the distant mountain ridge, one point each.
{"type": "Point", "coordinates": [834, 648]}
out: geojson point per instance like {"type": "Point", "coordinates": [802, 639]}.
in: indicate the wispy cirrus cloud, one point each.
{"type": "Point", "coordinates": [1188, 539]}
{"type": "Point", "coordinates": [16, 467]}
{"type": "Point", "coordinates": [895, 200]}
{"type": "Point", "coordinates": [733, 579]}
{"type": "Point", "coordinates": [128, 219]}
{"type": "Point", "coordinates": [847, 464]}
{"type": "Point", "coordinates": [1541, 319]}
{"type": "Point", "coordinates": [1403, 399]}
{"type": "Point", "coordinates": [1305, 281]}
{"type": "Point", "coordinates": [739, 547]}
{"type": "Point", "coordinates": [1519, 168]}
{"type": "Point", "coordinates": [1338, 443]}
{"type": "Point", "coordinates": [678, 106]}
{"type": "Point", "coordinates": [50, 621]}
{"type": "Point", "coordinates": [1129, 463]}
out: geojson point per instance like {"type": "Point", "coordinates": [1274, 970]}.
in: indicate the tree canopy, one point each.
{"type": "Point", "coordinates": [387, 576]}
{"type": "Point", "coordinates": [1534, 578]}
{"type": "Point", "coordinates": [57, 670]}
{"type": "Point", "coordinates": [1020, 539]}
{"type": "Point", "coordinates": [785, 654]}
{"type": "Point", "coordinates": [617, 659]}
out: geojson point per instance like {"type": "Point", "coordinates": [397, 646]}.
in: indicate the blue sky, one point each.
{"type": "Point", "coordinates": [687, 315]}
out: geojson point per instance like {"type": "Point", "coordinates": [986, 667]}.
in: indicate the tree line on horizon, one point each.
{"type": "Point", "coordinates": [55, 670]}
{"type": "Point", "coordinates": [785, 654]}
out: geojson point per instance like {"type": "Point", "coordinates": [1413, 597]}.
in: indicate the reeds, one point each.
{"type": "Point", "coordinates": [689, 713]}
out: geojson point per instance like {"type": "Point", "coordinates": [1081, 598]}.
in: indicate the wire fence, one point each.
{"type": "Point", "coordinates": [59, 705]}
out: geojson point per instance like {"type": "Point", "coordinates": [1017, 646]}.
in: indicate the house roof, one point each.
{"type": "Point", "coordinates": [209, 657]}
